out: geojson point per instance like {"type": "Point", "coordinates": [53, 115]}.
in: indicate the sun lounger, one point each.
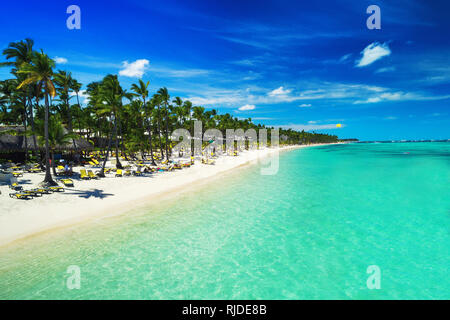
{"type": "Point", "coordinates": [15, 186]}
{"type": "Point", "coordinates": [32, 193]}
{"type": "Point", "coordinates": [92, 175]}
{"type": "Point", "coordinates": [127, 173]}
{"type": "Point", "coordinates": [67, 182]}
{"type": "Point", "coordinates": [17, 174]}
{"type": "Point", "coordinates": [42, 190]}
{"type": "Point", "coordinates": [208, 161]}
{"type": "Point", "coordinates": [84, 175]}
{"type": "Point", "coordinates": [22, 196]}
{"type": "Point", "coordinates": [119, 173]}
{"type": "Point", "coordinates": [56, 189]}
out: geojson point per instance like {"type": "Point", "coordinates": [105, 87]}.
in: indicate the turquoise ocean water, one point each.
{"type": "Point", "coordinates": [309, 232]}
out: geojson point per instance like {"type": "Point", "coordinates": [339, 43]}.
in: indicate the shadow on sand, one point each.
{"type": "Point", "coordinates": [96, 193]}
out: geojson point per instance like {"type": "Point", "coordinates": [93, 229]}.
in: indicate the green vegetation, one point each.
{"type": "Point", "coordinates": [39, 98]}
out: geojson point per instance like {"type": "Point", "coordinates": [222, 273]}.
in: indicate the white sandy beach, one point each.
{"type": "Point", "coordinates": [92, 198]}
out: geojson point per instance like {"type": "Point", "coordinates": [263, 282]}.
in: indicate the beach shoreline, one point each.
{"type": "Point", "coordinates": [93, 199]}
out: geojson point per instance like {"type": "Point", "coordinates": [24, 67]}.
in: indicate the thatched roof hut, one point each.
{"type": "Point", "coordinates": [16, 142]}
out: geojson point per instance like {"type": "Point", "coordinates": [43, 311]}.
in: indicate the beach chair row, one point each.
{"type": "Point", "coordinates": [22, 194]}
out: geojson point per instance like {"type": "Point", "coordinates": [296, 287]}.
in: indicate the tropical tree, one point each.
{"type": "Point", "coordinates": [20, 53]}
{"type": "Point", "coordinates": [165, 97]}
{"type": "Point", "coordinates": [141, 89]}
{"type": "Point", "coordinates": [40, 71]}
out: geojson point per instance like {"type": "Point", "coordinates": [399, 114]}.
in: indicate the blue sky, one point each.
{"type": "Point", "coordinates": [299, 64]}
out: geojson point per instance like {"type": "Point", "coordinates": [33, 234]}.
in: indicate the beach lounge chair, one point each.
{"type": "Point", "coordinates": [67, 182]}
{"type": "Point", "coordinates": [137, 172]}
{"type": "Point", "coordinates": [56, 189]}
{"type": "Point", "coordinates": [19, 195]}
{"type": "Point", "coordinates": [42, 190]}
{"type": "Point", "coordinates": [17, 174]}
{"type": "Point", "coordinates": [15, 186]}
{"type": "Point", "coordinates": [32, 193]}
{"type": "Point", "coordinates": [84, 175]}
{"type": "Point", "coordinates": [208, 161]}
{"type": "Point", "coordinates": [92, 175]}
{"type": "Point", "coordinates": [119, 173]}
{"type": "Point", "coordinates": [127, 173]}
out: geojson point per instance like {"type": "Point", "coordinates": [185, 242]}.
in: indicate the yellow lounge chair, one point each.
{"type": "Point", "coordinates": [92, 175]}
{"type": "Point", "coordinates": [56, 189]}
{"type": "Point", "coordinates": [84, 175]}
{"type": "Point", "coordinates": [32, 193]}
{"type": "Point", "coordinates": [127, 173]}
{"type": "Point", "coordinates": [15, 186]}
{"type": "Point", "coordinates": [67, 182]}
{"type": "Point", "coordinates": [17, 174]}
{"type": "Point", "coordinates": [22, 196]}
{"type": "Point", "coordinates": [119, 173]}
{"type": "Point", "coordinates": [42, 190]}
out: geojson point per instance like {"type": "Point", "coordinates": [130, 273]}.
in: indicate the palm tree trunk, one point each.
{"type": "Point", "coordinates": [118, 164]}
{"type": "Point", "coordinates": [79, 107]}
{"type": "Point", "coordinates": [53, 164]}
{"type": "Point", "coordinates": [150, 142]}
{"type": "Point", "coordinates": [159, 132]}
{"type": "Point", "coordinates": [25, 128]}
{"type": "Point", "coordinates": [102, 172]}
{"type": "Point", "coordinates": [167, 132]}
{"type": "Point", "coordinates": [37, 154]}
{"type": "Point", "coordinates": [69, 122]}
{"type": "Point", "coordinates": [48, 177]}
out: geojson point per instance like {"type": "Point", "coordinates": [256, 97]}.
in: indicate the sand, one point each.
{"type": "Point", "coordinates": [89, 199]}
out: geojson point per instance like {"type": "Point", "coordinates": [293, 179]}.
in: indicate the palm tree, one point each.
{"type": "Point", "coordinates": [156, 101]}
{"type": "Point", "coordinates": [141, 89]}
{"type": "Point", "coordinates": [165, 97]}
{"type": "Point", "coordinates": [111, 97]}
{"type": "Point", "coordinates": [63, 81]}
{"type": "Point", "coordinates": [40, 71]}
{"type": "Point", "coordinates": [21, 52]}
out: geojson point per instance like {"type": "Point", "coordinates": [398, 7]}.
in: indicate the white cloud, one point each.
{"type": "Point", "coordinates": [390, 118]}
{"type": "Point", "coordinates": [387, 69]}
{"type": "Point", "coordinates": [305, 105]}
{"type": "Point", "coordinates": [400, 96]}
{"type": "Point", "coordinates": [345, 57]}
{"type": "Point", "coordinates": [180, 73]}
{"type": "Point", "coordinates": [312, 122]}
{"type": "Point", "coordinates": [60, 60]}
{"type": "Point", "coordinates": [372, 53]}
{"type": "Point", "coordinates": [279, 92]}
{"type": "Point", "coordinates": [247, 107]}
{"type": "Point", "coordinates": [134, 69]}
